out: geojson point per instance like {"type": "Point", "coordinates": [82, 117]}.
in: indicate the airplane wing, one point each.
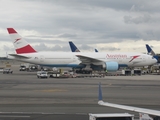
{"type": "Point", "coordinates": [125, 107]}
{"type": "Point", "coordinates": [86, 59]}
{"type": "Point", "coordinates": [19, 56]}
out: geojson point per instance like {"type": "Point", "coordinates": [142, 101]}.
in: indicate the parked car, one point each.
{"type": "Point", "coordinates": [42, 74]}
{"type": "Point", "coordinates": [22, 68]}
{"type": "Point", "coordinates": [1, 70]}
{"type": "Point", "coordinates": [7, 71]}
{"type": "Point", "coordinates": [32, 68]}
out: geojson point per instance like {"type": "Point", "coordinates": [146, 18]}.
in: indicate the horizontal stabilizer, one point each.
{"type": "Point", "coordinates": [19, 56]}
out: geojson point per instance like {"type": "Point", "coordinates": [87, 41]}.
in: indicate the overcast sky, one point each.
{"type": "Point", "coordinates": [108, 25]}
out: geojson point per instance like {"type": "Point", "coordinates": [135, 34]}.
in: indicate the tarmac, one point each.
{"type": "Point", "coordinates": [23, 96]}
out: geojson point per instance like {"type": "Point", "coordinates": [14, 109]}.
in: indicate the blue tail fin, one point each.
{"type": "Point", "coordinates": [73, 47]}
{"type": "Point", "coordinates": [149, 50]}
{"type": "Point", "coordinates": [96, 50]}
{"type": "Point", "coordinates": [100, 93]}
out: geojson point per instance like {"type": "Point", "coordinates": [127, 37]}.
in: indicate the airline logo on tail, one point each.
{"type": "Point", "coordinates": [17, 40]}
{"type": "Point", "coordinates": [20, 47]}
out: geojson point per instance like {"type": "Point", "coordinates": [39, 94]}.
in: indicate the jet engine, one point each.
{"type": "Point", "coordinates": [111, 66]}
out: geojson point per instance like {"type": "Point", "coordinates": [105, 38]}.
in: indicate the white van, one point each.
{"type": "Point", "coordinates": [42, 74]}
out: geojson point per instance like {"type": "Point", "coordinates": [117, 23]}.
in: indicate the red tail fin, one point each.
{"type": "Point", "coordinates": [21, 45]}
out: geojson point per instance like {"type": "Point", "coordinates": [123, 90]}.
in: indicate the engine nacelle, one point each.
{"type": "Point", "coordinates": [112, 66]}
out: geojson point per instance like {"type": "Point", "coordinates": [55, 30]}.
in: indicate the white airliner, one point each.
{"type": "Point", "coordinates": [101, 61]}
{"type": "Point", "coordinates": [152, 113]}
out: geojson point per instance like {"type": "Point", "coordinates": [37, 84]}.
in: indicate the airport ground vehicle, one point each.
{"type": "Point", "coordinates": [111, 116]}
{"type": "Point", "coordinates": [28, 67]}
{"type": "Point", "coordinates": [32, 68]}
{"type": "Point", "coordinates": [22, 68]}
{"type": "Point", "coordinates": [42, 74]}
{"type": "Point", "coordinates": [7, 71]}
{"type": "Point", "coordinates": [1, 70]}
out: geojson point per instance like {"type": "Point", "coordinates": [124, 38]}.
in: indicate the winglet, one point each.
{"type": "Point", "coordinates": [125, 107]}
{"type": "Point", "coordinates": [100, 93]}
{"type": "Point", "coordinates": [73, 47]}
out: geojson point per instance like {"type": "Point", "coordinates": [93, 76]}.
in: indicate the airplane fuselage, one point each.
{"type": "Point", "coordinates": [70, 59]}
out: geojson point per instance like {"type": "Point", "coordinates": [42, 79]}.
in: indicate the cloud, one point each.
{"type": "Point", "coordinates": [6, 48]}
{"type": "Point", "coordinates": [109, 49]}
{"type": "Point", "coordinates": [50, 24]}
{"type": "Point", "coordinates": [152, 46]}
{"type": "Point", "coordinates": [137, 20]}
{"type": "Point", "coordinates": [44, 47]}
{"type": "Point", "coordinates": [66, 35]}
